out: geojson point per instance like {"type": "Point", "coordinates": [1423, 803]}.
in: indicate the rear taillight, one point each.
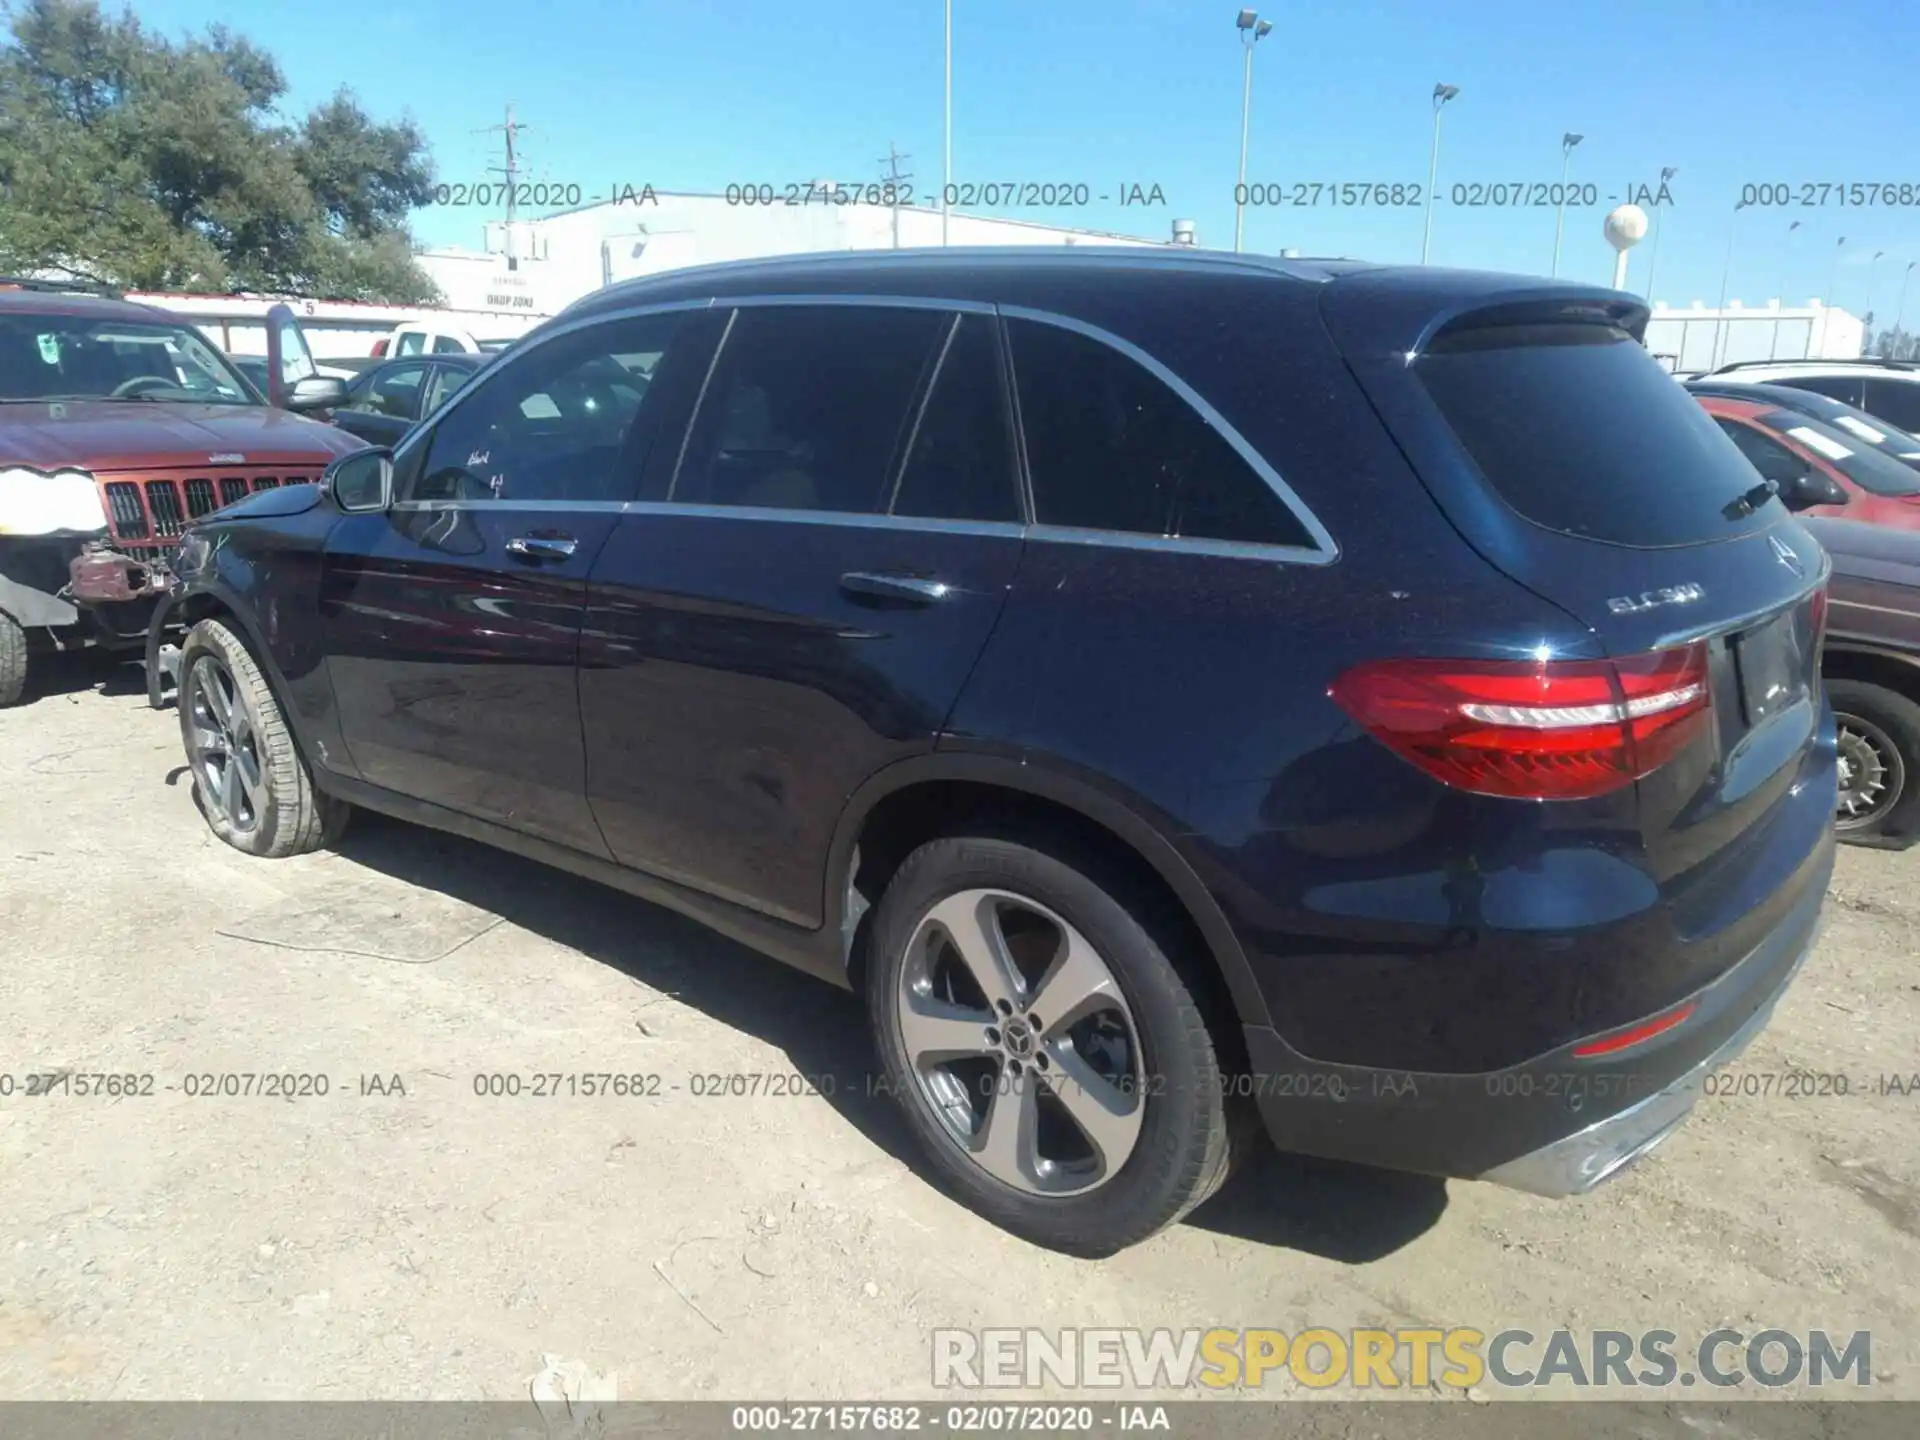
{"type": "Point", "coordinates": [1819, 618]}
{"type": "Point", "coordinates": [380, 348]}
{"type": "Point", "coordinates": [1533, 730]}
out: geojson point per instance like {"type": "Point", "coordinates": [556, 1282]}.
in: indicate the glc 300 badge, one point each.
{"type": "Point", "coordinates": [1652, 599]}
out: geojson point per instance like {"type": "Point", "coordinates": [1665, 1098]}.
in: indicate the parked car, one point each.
{"type": "Point", "coordinates": [386, 400]}
{"type": "Point", "coordinates": [1818, 469]}
{"type": "Point", "coordinates": [1889, 389]}
{"type": "Point", "coordinates": [1159, 683]}
{"type": "Point", "coordinates": [1872, 669]}
{"type": "Point", "coordinates": [418, 337]}
{"type": "Point", "coordinates": [119, 424]}
{"type": "Point", "coordinates": [1858, 427]}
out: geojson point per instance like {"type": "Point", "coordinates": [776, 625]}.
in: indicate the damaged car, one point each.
{"type": "Point", "coordinates": [119, 426]}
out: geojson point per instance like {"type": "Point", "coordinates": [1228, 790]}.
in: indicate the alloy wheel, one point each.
{"type": "Point", "coordinates": [1021, 1042]}
{"type": "Point", "coordinates": [1873, 776]}
{"type": "Point", "coordinates": [224, 748]}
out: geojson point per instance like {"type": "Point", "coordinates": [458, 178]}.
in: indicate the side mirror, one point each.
{"type": "Point", "coordinates": [316, 392]}
{"type": "Point", "coordinates": [362, 481]}
{"type": "Point", "coordinates": [1810, 488]}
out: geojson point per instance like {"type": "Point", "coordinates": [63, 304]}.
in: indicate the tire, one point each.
{"type": "Point", "coordinates": [1879, 728]}
{"type": "Point", "coordinates": [1149, 1055]}
{"type": "Point", "coordinates": [251, 782]}
{"type": "Point", "coordinates": [13, 661]}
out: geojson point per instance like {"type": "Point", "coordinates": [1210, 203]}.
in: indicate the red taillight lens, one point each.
{"type": "Point", "coordinates": [1533, 730]}
{"type": "Point", "coordinates": [1819, 618]}
{"type": "Point", "coordinates": [380, 348]}
{"type": "Point", "coordinates": [1634, 1034]}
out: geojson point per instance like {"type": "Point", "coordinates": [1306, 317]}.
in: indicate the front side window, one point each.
{"type": "Point", "coordinates": [447, 345]}
{"type": "Point", "coordinates": [566, 420]}
{"type": "Point", "coordinates": [807, 407]}
{"type": "Point", "coordinates": [1845, 388]}
{"type": "Point", "coordinates": [412, 342]}
{"type": "Point", "coordinates": [391, 390]}
{"type": "Point", "coordinates": [1112, 446]}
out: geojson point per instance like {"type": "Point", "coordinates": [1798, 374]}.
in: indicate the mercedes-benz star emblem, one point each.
{"type": "Point", "coordinates": [1783, 552]}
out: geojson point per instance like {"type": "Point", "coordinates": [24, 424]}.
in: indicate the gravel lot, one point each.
{"type": "Point", "coordinates": [438, 1243]}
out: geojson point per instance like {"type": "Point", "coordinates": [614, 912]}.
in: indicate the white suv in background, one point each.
{"type": "Point", "coordinates": [416, 337]}
{"type": "Point", "coordinates": [1889, 389]}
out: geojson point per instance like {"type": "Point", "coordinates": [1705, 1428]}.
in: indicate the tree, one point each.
{"type": "Point", "coordinates": [162, 165]}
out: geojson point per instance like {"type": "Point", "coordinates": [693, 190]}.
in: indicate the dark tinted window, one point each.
{"type": "Point", "coordinates": [807, 407]}
{"type": "Point", "coordinates": [1772, 459]}
{"type": "Point", "coordinates": [1112, 447]}
{"type": "Point", "coordinates": [960, 463]}
{"type": "Point", "coordinates": [1861, 463]}
{"type": "Point", "coordinates": [389, 391]}
{"type": "Point", "coordinates": [1834, 387]}
{"type": "Point", "coordinates": [564, 421]}
{"type": "Point", "coordinates": [447, 345]}
{"type": "Point", "coordinates": [1580, 431]}
{"type": "Point", "coordinates": [1895, 401]}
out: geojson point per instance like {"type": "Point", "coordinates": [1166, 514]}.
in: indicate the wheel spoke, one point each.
{"type": "Point", "coordinates": [971, 922]}
{"type": "Point", "coordinates": [219, 699]}
{"type": "Point", "coordinates": [933, 1030]}
{"type": "Point", "coordinates": [1007, 1145]}
{"type": "Point", "coordinates": [230, 789]}
{"type": "Point", "coordinates": [1108, 1116]}
{"type": "Point", "coordinates": [208, 742]}
{"type": "Point", "coordinates": [1077, 984]}
{"type": "Point", "coordinates": [247, 766]}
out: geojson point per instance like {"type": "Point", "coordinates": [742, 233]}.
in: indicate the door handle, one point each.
{"type": "Point", "coordinates": [899, 589]}
{"type": "Point", "coordinates": [542, 547]}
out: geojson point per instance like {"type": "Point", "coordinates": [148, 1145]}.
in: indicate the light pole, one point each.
{"type": "Point", "coordinates": [946, 161]}
{"type": "Point", "coordinates": [1252, 31]}
{"type": "Point", "coordinates": [1726, 270]}
{"type": "Point", "coordinates": [1833, 284]}
{"type": "Point", "coordinates": [1872, 266]}
{"type": "Point", "coordinates": [1900, 316]}
{"type": "Point", "coordinates": [1653, 260]}
{"type": "Point", "coordinates": [1773, 347]}
{"type": "Point", "coordinates": [1441, 94]}
{"type": "Point", "coordinates": [1567, 142]}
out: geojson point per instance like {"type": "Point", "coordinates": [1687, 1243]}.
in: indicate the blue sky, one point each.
{"type": "Point", "coordinates": [692, 95]}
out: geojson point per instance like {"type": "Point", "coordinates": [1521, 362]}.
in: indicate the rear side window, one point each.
{"type": "Point", "coordinates": [960, 461]}
{"type": "Point", "coordinates": [1111, 446]}
{"type": "Point", "coordinates": [1844, 388]}
{"type": "Point", "coordinates": [1577, 429]}
{"type": "Point", "coordinates": [1895, 401]}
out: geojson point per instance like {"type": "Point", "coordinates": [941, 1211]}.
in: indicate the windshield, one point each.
{"type": "Point", "coordinates": [76, 357]}
{"type": "Point", "coordinates": [1872, 470]}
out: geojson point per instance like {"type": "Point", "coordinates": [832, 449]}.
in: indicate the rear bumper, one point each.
{"type": "Point", "coordinates": [1554, 1125]}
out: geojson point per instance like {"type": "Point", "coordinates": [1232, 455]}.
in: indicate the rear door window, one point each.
{"type": "Point", "coordinates": [1844, 388]}
{"type": "Point", "coordinates": [1578, 430]}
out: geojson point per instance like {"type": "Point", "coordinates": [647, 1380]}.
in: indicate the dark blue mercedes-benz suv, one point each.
{"type": "Point", "coordinates": [1170, 687]}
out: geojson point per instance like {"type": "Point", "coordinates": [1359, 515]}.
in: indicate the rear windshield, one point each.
{"type": "Point", "coordinates": [1577, 428]}
{"type": "Point", "coordinates": [1872, 470]}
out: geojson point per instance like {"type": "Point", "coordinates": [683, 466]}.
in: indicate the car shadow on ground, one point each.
{"type": "Point", "coordinates": [51, 674]}
{"type": "Point", "coordinates": [1346, 1213]}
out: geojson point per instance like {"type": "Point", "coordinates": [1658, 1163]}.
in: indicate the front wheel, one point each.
{"type": "Point", "coordinates": [13, 660]}
{"type": "Point", "coordinates": [1051, 1060]}
{"type": "Point", "coordinates": [1879, 736]}
{"type": "Point", "coordinates": [250, 779]}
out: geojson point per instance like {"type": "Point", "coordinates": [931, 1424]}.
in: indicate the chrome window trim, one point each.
{"type": "Point", "coordinates": [1324, 550]}
{"type": "Point", "coordinates": [1181, 545]}
{"type": "Point", "coordinates": [861, 519]}
{"type": "Point", "coordinates": [875, 302]}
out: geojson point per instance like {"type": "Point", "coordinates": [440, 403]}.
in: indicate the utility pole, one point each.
{"type": "Point", "coordinates": [511, 172]}
{"type": "Point", "coordinates": [895, 178]}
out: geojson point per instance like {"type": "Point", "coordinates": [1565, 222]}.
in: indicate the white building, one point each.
{"type": "Point", "coordinates": [1701, 337]}
{"type": "Point", "coordinates": [552, 261]}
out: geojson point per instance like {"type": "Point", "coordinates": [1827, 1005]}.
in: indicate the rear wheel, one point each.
{"type": "Point", "coordinates": [1879, 735]}
{"type": "Point", "coordinates": [13, 660]}
{"type": "Point", "coordinates": [252, 783]}
{"type": "Point", "coordinates": [1050, 1058]}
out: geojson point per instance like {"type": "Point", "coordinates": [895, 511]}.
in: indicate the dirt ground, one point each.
{"type": "Point", "coordinates": [405, 1237]}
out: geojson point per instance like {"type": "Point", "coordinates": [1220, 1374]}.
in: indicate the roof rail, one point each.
{"type": "Point", "coordinates": [1871, 360]}
{"type": "Point", "coordinates": [58, 287]}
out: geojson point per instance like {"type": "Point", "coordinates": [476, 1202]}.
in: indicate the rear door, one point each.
{"type": "Point", "coordinates": [453, 620]}
{"type": "Point", "coordinates": [801, 598]}
{"type": "Point", "coordinates": [1564, 454]}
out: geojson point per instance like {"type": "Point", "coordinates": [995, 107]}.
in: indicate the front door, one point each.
{"type": "Point", "coordinates": [453, 619]}
{"type": "Point", "coordinates": [803, 602]}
